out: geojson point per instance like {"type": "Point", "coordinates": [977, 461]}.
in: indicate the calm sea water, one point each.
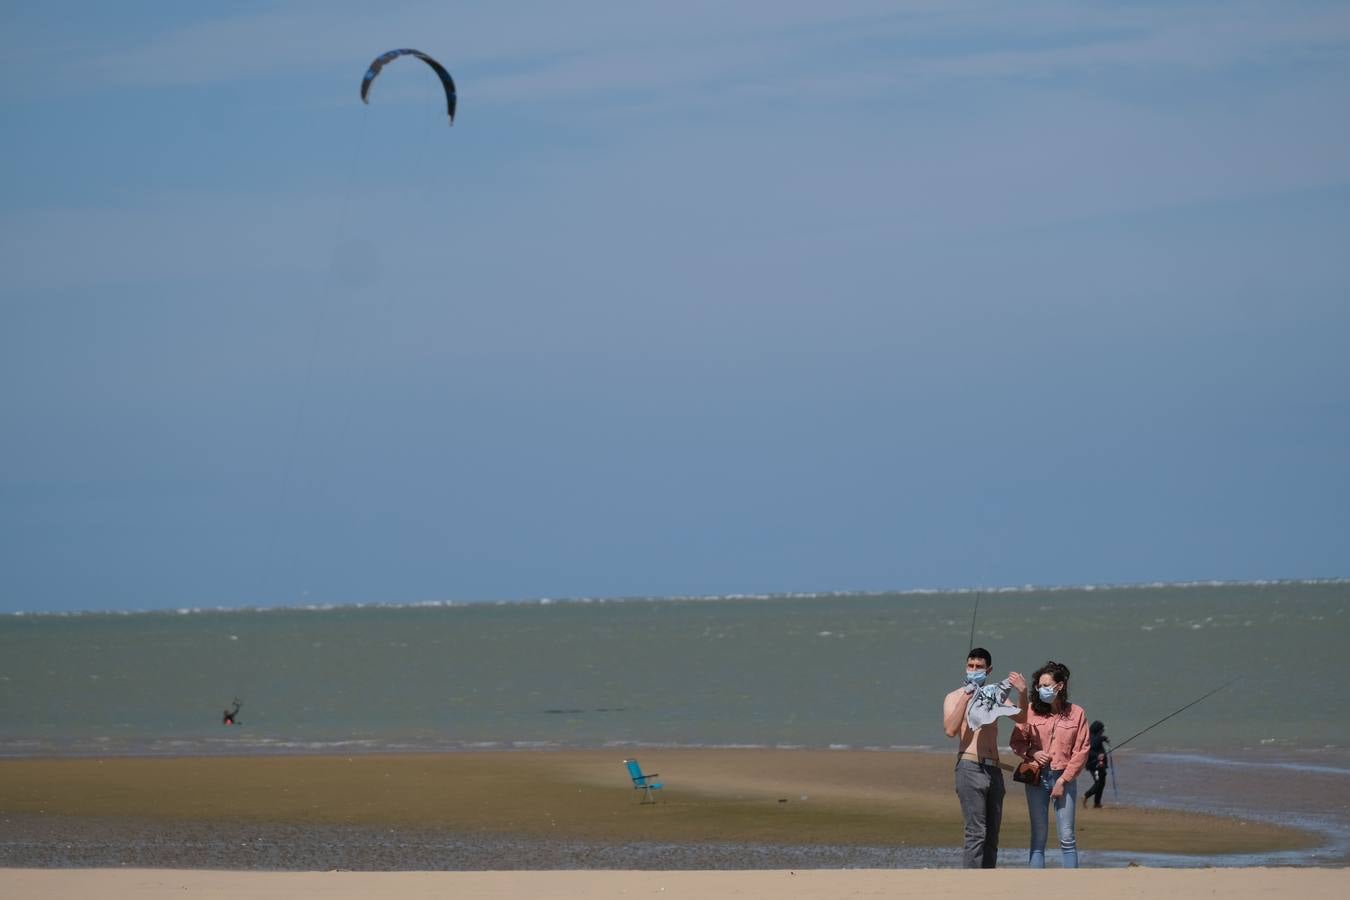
{"type": "Point", "coordinates": [862, 671]}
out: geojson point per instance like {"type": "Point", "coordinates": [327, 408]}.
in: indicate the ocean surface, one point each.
{"type": "Point", "coordinates": [860, 671]}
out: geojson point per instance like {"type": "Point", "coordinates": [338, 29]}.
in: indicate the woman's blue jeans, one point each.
{"type": "Point", "coordinates": [1038, 805]}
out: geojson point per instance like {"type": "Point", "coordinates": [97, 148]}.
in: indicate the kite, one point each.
{"type": "Point", "coordinates": [385, 58]}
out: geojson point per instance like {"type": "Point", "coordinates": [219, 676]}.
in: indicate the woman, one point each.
{"type": "Point", "coordinates": [1097, 762]}
{"type": "Point", "coordinates": [1055, 735]}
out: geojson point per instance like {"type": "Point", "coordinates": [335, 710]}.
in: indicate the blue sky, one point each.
{"type": "Point", "coordinates": [694, 298]}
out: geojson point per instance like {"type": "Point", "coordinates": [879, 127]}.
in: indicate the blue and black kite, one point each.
{"type": "Point", "coordinates": [385, 58]}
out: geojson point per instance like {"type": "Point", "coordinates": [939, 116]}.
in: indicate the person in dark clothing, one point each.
{"type": "Point", "coordinates": [1097, 763]}
{"type": "Point", "coordinates": [228, 717]}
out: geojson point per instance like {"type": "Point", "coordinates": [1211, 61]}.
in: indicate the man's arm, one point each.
{"type": "Point", "coordinates": [1020, 684]}
{"type": "Point", "coordinates": [954, 711]}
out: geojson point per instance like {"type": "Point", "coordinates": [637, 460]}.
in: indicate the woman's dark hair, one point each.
{"type": "Point", "coordinates": [1057, 671]}
{"type": "Point", "coordinates": [1096, 727]}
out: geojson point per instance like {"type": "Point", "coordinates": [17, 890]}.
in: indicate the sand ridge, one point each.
{"type": "Point", "coordinates": [774, 797]}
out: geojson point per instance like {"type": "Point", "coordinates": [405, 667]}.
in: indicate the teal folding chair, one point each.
{"type": "Point", "coordinates": [644, 783]}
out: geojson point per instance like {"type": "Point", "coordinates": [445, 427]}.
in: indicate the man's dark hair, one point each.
{"type": "Point", "coordinates": [981, 653]}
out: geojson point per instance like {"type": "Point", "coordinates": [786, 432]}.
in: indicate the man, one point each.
{"type": "Point", "coordinates": [1099, 758]}
{"type": "Point", "coordinates": [979, 780]}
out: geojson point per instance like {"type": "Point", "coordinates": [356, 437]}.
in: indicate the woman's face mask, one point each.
{"type": "Point", "coordinates": [1047, 693]}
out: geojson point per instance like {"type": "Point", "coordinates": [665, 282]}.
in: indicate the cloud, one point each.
{"type": "Point", "coordinates": [1243, 36]}
{"type": "Point", "coordinates": [760, 185]}
{"type": "Point", "coordinates": [544, 50]}
{"type": "Point", "coordinates": [727, 112]}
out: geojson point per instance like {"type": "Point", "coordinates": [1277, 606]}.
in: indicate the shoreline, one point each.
{"type": "Point", "coordinates": [720, 809]}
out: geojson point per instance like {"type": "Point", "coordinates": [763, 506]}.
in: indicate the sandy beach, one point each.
{"type": "Point", "coordinates": [1233, 884]}
{"type": "Point", "coordinates": [719, 809]}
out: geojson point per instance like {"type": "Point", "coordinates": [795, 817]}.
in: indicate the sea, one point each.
{"type": "Point", "coordinates": [862, 671]}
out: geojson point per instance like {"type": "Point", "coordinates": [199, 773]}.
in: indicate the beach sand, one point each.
{"type": "Point", "coordinates": [719, 809]}
{"type": "Point", "coordinates": [1163, 884]}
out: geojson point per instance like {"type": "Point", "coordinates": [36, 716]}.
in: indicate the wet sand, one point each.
{"type": "Point", "coordinates": [554, 809]}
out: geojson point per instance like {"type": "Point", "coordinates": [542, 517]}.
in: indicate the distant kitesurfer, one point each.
{"type": "Point", "coordinates": [970, 714]}
{"type": "Point", "coordinates": [1097, 763]}
{"type": "Point", "coordinates": [228, 717]}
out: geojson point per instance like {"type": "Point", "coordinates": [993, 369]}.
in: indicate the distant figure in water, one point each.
{"type": "Point", "coordinates": [1097, 763]}
{"type": "Point", "coordinates": [228, 717]}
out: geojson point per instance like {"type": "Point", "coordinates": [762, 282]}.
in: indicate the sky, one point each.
{"type": "Point", "coordinates": [697, 298]}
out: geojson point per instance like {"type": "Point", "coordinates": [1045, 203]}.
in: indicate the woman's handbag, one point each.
{"type": "Point", "coordinates": [1029, 771]}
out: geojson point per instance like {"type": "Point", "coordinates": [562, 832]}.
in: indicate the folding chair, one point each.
{"type": "Point", "coordinates": [644, 783]}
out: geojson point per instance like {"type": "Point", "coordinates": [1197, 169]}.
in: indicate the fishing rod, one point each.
{"type": "Point", "coordinates": [971, 643]}
{"type": "Point", "coordinates": [1168, 716]}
